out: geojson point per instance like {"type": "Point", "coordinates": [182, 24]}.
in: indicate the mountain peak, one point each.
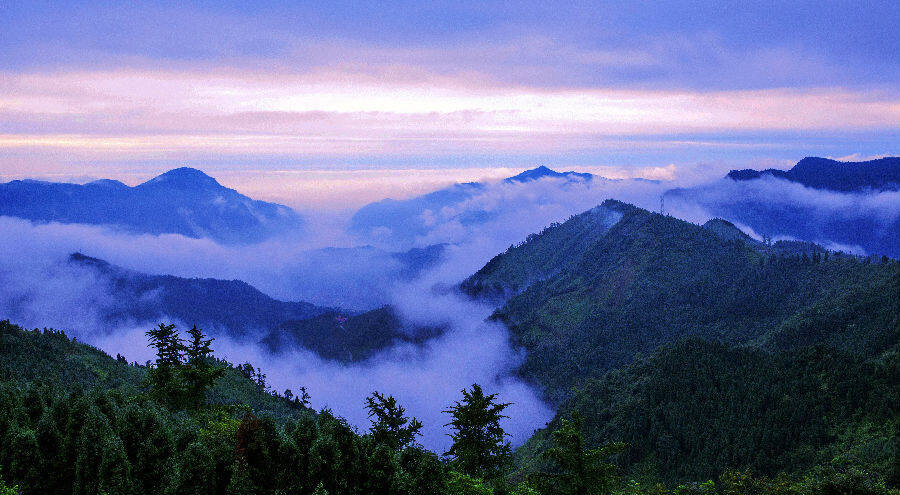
{"type": "Point", "coordinates": [183, 177]}
{"type": "Point", "coordinates": [543, 171]}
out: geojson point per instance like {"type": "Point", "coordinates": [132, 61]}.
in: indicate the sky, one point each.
{"type": "Point", "coordinates": [314, 102]}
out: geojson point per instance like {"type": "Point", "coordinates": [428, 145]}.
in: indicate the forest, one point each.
{"type": "Point", "coordinates": [75, 420]}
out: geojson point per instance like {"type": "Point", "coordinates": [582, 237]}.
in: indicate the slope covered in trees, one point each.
{"type": "Point", "coordinates": [693, 409]}
{"type": "Point", "coordinates": [824, 173]}
{"type": "Point", "coordinates": [650, 279]}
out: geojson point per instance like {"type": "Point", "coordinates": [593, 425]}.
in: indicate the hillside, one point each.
{"type": "Point", "coordinates": [346, 338]}
{"type": "Point", "coordinates": [181, 201]}
{"type": "Point", "coordinates": [73, 420]}
{"type": "Point", "coordinates": [693, 409]}
{"type": "Point", "coordinates": [824, 173]}
{"type": "Point", "coordinates": [51, 358]}
{"type": "Point", "coordinates": [649, 280]}
{"type": "Point", "coordinates": [232, 307]}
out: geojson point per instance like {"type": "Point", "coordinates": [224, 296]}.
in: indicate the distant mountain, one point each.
{"type": "Point", "coordinates": [346, 337]}
{"type": "Point", "coordinates": [230, 306]}
{"type": "Point", "coordinates": [181, 201]}
{"type": "Point", "coordinates": [848, 206]}
{"type": "Point", "coordinates": [399, 223]}
{"type": "Point", "coordinates": [824, 173]}
{"type": "Point", "coordinates": [240, 311]}
{"type": "Point", "coordinates": [544, 172]}
{"type": "Point", "coordinates": [593, 293]}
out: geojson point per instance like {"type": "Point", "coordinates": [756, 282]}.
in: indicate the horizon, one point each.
{"type": "Point", "coordinates": [407, 97]}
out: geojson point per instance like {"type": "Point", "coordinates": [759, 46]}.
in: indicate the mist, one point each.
{"type": "Point", "coordinates": [39, 288]}
{"type": "Point", "coordinates": [861, 223]}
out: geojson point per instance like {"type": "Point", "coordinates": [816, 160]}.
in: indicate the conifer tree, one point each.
{"type": "Point", "coordinates": [199, 372]}
{"type": "Point", "coordinates": [165, 384]}
{"type": "Point", "coordinates": [577, 471]}
{"type": "Point", "coordinates": [390, 426]}
{"type": "Point", "coordinates": [479, 443]}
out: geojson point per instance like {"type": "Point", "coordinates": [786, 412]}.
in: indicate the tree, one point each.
{"type": "Point", "coordinates": [165, 384]}
{"type": "Point", "coordinates": [479, 442]}
{"type": "Point", "coordinates": [578, 471]}
{"type": "Point", "coordinates": [199, 372]}
{"type": "Point", "coordinates": [6, 489]}
{"type": "Point", "coordinates": [390, 426]}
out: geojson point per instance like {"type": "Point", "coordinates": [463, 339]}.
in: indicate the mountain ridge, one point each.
{"type": "Point", "coordinates": [825, 173]}
{"type": "Point", "coordinates": [182, 201]}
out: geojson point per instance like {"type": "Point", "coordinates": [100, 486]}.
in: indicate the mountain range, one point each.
{"type": "Point", "coordinates": [824, 173]}
{"type": "Point", "coordinates": [181, 201]}
{"type": "Point", "coordinates": [237, 310]}
{"type": "Point", "coordinates": [849, 206]}
{"type": "Point", "coordinates": [401, 224]}
{"type": "Point", "coordinates": [699, 347]}
{"type": "Point", "coordinates": [593, 293]}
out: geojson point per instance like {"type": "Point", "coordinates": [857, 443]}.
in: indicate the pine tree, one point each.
{"type": "Point", "coordinates": [578, 471]}
{"type": "Point", "coordinates": [165, 383]}
{"type": "Point", "coordinates": [390, 426]}
{"type": "Point", "coordinates": [199, 372]}
{"type": "Point", "coordinates": [479, 442]}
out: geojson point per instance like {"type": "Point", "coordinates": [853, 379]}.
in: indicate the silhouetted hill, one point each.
{"type": "Point", "coordinates": [343, 337]}
{"type": "Point", "coordinates": [230, 306]}
{"type": "Point", "coordinates": [543, 172]}
{"type": "Point", "coordinates": [181, 201]}
{"type": "Point", "coordinates": [824, 173]}
{"type": "Point", "coordinates": [850, 206]}
{"type": "Point", "coordinates": [399, 223]}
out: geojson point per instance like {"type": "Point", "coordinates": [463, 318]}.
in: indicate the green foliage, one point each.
{"type": "Point", "coordinates": [479, 444]}
{"type": "Point", "coordinates": [577, 471]}
{"type": "Point", "coordinates": [586, 297]}
{"type": "Point", "coordinates": [6, 489]}
{"type": "Point", "coordinates": [821, 481]}
{"type": "Point", "coordinates": [464, 484]}
{"type": "Point", "coordinates": [390, 426]}
{"type": "Point", "coordinates": [183, 372]}
{"type": "Point", "coordinates": [694, 409]}
{"type": "Point", "coordinates": [199, 370]}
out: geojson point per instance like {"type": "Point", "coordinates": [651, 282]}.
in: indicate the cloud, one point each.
{"type": "Point", "coordinates": [862, 223]}
{"type": "Point", "coordinates": [41, 289]}
{"type": "Point", "coordinates": [500, 213]}
{"type": "Point", "coordinates": [134, 114]}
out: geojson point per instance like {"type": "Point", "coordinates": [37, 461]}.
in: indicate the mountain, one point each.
{"type": "Point", "coordinates": [597, 291]}
{"type": "Point", "coordinates": [544, 172]}
{"type": "Point", "coordinates": [700, 347]}
{"type": "Point", "coordinates": [824, 173]}
{"type": "Point", "coordinates": [181, 201]}
{"type": "Point", "coordinates": [347, 338]}
{"type": "Point", "coordinates": [240, 311]}
{"type": "Point", "coordinates": [694, 409]}
{"type": "Point", "coordinates": [230, 306]}
{"type": "Point", "coordinates": [399, 224]}
{"type": "Point", "coordinates": [841, 205]}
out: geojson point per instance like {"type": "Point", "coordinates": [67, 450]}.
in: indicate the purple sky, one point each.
{"type": "Point", "coordinates": [392, 98]}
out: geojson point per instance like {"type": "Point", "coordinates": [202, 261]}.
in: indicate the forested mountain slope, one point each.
{"type": "Point", "coordinates": [651, 279]}
{"type": "Point", "coordinates": [230, 306]}
{"type": "Point", "coordinates": [693, 409]}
